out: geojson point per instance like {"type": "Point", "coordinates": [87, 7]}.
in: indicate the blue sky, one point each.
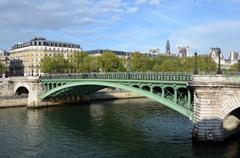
{"type": "Point", "coordinates": [129, 25]}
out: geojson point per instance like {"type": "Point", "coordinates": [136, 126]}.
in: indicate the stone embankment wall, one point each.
{"type": "Point", "coordinates": [4, 87]}
{"type": "Point", "coordinates": [13, 102]}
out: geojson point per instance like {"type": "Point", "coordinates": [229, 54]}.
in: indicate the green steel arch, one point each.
{"type": "Point", "coordinates": [147, 94]}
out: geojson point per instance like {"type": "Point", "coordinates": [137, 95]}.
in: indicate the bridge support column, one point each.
{"type": "Point", "coordinates": [207, 124]}
{"type": "Point", "coordinates": [163, 92]}
{"type": "Point", "coordinates": [215, 99]}
{"type": "Point", "coordinates": [34, 93]}
{"type": "Point", "coordinates": [175, 95]}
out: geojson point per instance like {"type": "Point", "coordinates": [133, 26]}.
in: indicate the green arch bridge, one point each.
{"type": "Point", "coordinates": [171, 90]}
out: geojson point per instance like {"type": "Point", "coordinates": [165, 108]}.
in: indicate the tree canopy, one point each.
{"type": "Point", "coordinates": [2, 68]}
{"type": "Point", "coordinates": [56, 64]}
{"type": "Point", "coordinates": [109, 62]}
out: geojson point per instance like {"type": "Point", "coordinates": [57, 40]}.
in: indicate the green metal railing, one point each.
{"type": "Point", "coordinates": [124, 76]}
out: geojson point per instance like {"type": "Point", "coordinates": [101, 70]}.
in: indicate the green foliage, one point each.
{"type": "Point", "coordinates": [140, 62]}
{"type": "Point", "coordinates": [172, 64]}
{"type": "Point", "coordinates": [235, 67]}
{"type": "Point", "coordinates": [109, 62]}
{"type": "Point", "coordinates": [2, 68]}
{"type": "Point", "coordinates": [56, 64]}
{"type": "Point", "coordinates": [80, 62]}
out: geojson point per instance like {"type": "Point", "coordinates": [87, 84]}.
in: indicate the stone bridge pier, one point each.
{"type": "Point", "coordinates": [216, 107]}
{"type": "Point", "coordinates": [30, 85]}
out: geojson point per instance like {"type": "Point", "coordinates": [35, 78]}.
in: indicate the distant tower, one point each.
{"type": "Point", "coordinates": [168, 48]}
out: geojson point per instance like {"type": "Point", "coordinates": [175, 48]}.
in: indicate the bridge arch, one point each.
{"type": "Point", "coordinates": [21, 88]}
{"type": "Point", "coordinates": [146, 88]}
{"type": "Point", "coordinates": [136, 86]}
{"type": "Point", "coordinates": [157, 90]}
{"type": "Point", "coordinates": [230, 115]}
{"type": "Point", "coordinates": [168, 92]}
{"type": "Point", "coordinates": [142, 92]}
{"type": "Point", "coordinates": [228, 105]}
{"type": "Point", "coordinates": [22, 91]}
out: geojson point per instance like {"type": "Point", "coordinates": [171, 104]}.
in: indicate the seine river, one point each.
{"type": "Point", "coordinates": [122, 128]}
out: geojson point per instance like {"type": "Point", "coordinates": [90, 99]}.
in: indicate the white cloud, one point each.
{"type": "Point", "coordinates": [223, 34]}
{"type": "Point", "coordinates": [18, 17]}
{"type": "Point", "coordinates": [140, 1]}
{"type": "Point", "coordinates": [133, 10]}
{"type": "Point", "coordinates": [154, 2]}
{"type": "Point", "coordinates": [149, 2]}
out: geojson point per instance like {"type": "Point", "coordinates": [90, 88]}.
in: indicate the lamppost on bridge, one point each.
{"type": "Point", "coordinates": [219, 70]}
{"type": "Point", "coordinates": [195, 72]}
{"type": "Point", "coordinates": [129, 64]}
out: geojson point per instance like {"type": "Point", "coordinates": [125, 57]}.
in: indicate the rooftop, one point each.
{"type": "Point", "coordinates": [40, 41]}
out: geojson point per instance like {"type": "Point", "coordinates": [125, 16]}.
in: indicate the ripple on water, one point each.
{"type": "Point", "coordinates": [123, 128]}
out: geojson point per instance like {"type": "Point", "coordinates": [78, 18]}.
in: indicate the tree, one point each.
{"type": "Point", "coordinates": [205, 64]}
{"type": "Point", "coordinates": [2, 68]}
{"type": "Point", "coordinates": [55, 64]}
{"type": "Point", "coordinates": [140, 62]}
{"type": "Point", "coordinates": [235, 67]}
{"type": "Point", "coordinates": [79, 62]}
{"type": "Point", "coordinates": [109, 62]}
{"type": "Point", "coordinates": [92, 64]}
{"type": "Point", "coordinates": [46, 64]}
{"type": "Point", "coordinates": [168, 66]}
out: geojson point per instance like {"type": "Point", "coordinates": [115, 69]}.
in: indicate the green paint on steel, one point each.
{"type": "Point", "coordinates": [147, 94]}
{"type": "Point", "coordinates": [125, 76]}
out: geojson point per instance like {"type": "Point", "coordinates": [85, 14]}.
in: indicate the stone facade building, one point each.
{"type": "Point", "coordinates": [183, 52]}
{"type": "Point", "coordinates": [26, 57]}
{"type": "Point", "coordinates": [225, 63]}
{"type": "Point", "coordinates": [99, 52]}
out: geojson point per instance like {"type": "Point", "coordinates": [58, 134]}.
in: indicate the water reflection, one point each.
{"type": "Point", "coordinates": [123, 128]}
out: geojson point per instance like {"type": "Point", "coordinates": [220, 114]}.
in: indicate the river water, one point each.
{"type": "Point", "coordinates": [121, 128]}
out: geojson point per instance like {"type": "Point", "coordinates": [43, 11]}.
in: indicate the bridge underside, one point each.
{"type": "Point", "coordinates": [174, 96]}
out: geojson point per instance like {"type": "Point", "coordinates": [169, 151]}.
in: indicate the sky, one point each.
{"type": "Point", "coordinates": [127, 25]}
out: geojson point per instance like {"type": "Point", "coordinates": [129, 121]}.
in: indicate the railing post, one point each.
{"type": "Point", "coordinates": [163, 92]}
{"type": "Point", "coordinates": [189, 100]}
{"type": "Point", "coordinates": [175, 95]}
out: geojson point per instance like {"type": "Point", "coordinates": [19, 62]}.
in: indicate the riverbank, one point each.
{"type": "Point", "coordinates": [13, 101]}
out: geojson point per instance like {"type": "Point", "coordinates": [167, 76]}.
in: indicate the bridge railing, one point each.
{"type": "Point", "coordinates": [124, 76]}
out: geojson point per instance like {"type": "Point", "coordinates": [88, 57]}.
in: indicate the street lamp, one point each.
{"type": "Point", "coordinates": [219, 71]}
{"type": "Point", "coordinates": [129, 64]}
{"type": "Point", "coordinates": [195, 72]}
